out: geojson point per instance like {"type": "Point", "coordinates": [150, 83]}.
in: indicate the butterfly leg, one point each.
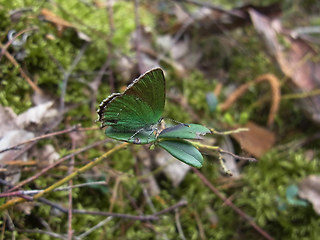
{"type": "Point", "coordinates": [155, 132]}
{"type": "Point", "coordinates": [137, 140]}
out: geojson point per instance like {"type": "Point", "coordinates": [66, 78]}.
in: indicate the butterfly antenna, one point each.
{"type": "Point", "coordinates": [170, 119]}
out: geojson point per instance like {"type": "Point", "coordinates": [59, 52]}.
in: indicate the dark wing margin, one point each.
{"type": "Point", "coordinates": [103, 105]}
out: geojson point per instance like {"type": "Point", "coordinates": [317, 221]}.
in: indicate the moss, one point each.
{"type": "Point", "coordinates": [267, 181]}
{"type": "Point", "coordinates": [264, 183]}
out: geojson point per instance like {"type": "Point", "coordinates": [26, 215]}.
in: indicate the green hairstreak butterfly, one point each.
{"type": "Point", "coordinates": [138, 109]}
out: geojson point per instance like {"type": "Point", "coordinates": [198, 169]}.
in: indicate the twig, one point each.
{"type": "Point", "coordinates": [33, 192]}
{"type": "Point", "coordinates": [4, 220]}
{"type": "Point", "coordinates": [225, 169]}
{"type": "Point", "coordinates": [216, 148]}
{"type": "Point", "coordinates": [55, 164]}
{"type": "Point", "coordinates": [51, 234]}
{"type": "Point", "coordinates": [94, 85]}
{"type": "Point", "coordinates": [97, 80]}
{"type": "Point", "coordinates": [110, 44]}
{"type": "Point", "coordinates": [43, 200]}
{"type": "Point", "coordinates": [251, 159]}
{"type": "Point", "coordinates": [100, 224]}
{"type": "Point", "coordinates": [5, 47]}
{"type": "Point", "coordinates": [238, 130]}
{"type": "Point", "coordinates": [178, 224]}
{"type": "Point", "coordinates": [148, 199]}
{"type": "Point", "coordinates": [16, 147]}
{"type": "Point", "coordinates": [68, 73]}
{"type": "Point", "coordinates": [118, 215]}
{"type": "Point", "coordinates": [301, 95]}
{"type": "Point", "coordinates": [23, 74]}
{"type": "Point", "coordinates": [114, 193]}
{"type": "Point", "coordinates": [138, 35]}
{"type": "Point", "coordinates": [169, 209]}
{"type": "Point", "coordinates": [211, 6]}
{"type": "Point", "coordinates": [140, 218]}
{"type": "Point", "coordinates": [200, 225]}
{"type": "Point", "coordinates": [70, 170]}
{"type": "Point", "coordinates": [275, 89]}
{"type": "Point", "coordinates": [5, 183]}
{"type": "Point", "coordinates": [229, 203]}
{"type": "Point", "coordinates": [19, 163]}
{"type": "Point", "coordinates": [67, 178]}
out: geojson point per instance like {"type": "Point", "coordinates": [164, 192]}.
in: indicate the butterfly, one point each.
{"type": "Point", "coordinates": [136, 111]}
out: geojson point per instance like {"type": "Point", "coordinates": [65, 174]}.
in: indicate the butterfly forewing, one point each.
{"type": "Point", "coordinates": [139, 107]}
{"type": "Point", "coordinates": [150, 88]}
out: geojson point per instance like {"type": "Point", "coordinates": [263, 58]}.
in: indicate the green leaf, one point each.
{"type": "Point", "coordinates": [184, 131]}
{"type": "Point", "coordinates": [142, 137]}
{"type": "Point", "coordinates": [184, 151]}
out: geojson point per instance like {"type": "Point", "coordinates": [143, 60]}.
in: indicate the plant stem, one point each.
{"type": "Point", "coordinates": [66, 179]}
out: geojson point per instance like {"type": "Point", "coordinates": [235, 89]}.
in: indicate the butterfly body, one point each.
{"type": "Point", "coordinates": [139, 108]}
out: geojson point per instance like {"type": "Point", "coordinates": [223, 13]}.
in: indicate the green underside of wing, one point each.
{"type": "Point", "coordinates": [150, 88]}
{"type": "Point", "coordinates": [130, 113]}
{"type": "Point", "coordinates": [143, 137]}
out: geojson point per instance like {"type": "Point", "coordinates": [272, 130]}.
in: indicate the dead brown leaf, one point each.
{"type": "Point", "coordinates": [56, 20]}
{"type": "Point", "coordinates": [309, 189]}
{"type": "Point", "coordinates": [37, 116]}
{"type": "Point", "coordinates": [257, 141]}
{"type": "Point", "coordinates": [46, 155]}
{"type": "Point", "coordinates": [209, 20]}
{"type": "Point", "coordinates": [61, 24]}
{"type": "Point", "coordinates": [7, 120]}
{"type": "Point", "coordinates": [275, 90]}
{"type": "Point", "coordinates": [9, 139]}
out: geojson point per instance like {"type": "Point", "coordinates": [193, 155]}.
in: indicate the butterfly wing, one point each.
{"type": "Point", "coordinates": [140, 106]}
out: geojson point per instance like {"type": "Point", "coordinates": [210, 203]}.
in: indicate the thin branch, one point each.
{"type": "Point", "coordinates": [43, 200]}
{"type": "Point", "coordinates": [224, 167]}
{"type": "Point", "coordinates": [178, 224]}
{"type": "Point", "coordinates": [238, 130]}
{"type": "Point", "coordinates": [5, 47]}
{"type": "Point", "coordinates": [169, 209]}
{"type": "Point", "coordinates": [251, 159]}
{"type": "Point", "coordinates": [138, 35]}
{"type": "Point", "coordinates": [133, 217]}
{"type": "Point", "coordinates": [33, 192]}
{"type": "Point", "coordinates": [23, 74]}
{"type": "Point", "coordinates": [110, 44]}
{"type": "Point", "coordinates": [68, 73]}
{"type": "Point", "coordinates": [118, 215]}
{"type": "Point", "coordinates": [216, 148]}
{"type": "Point", "coordinates": [100, 224]}
{"type": "Point", "coordinates": [51, 234]}
{"type": "Point", "coordinates": [70, 170]}
{"type": "Point", "coordinates": [30, 179]}
{"type": "Point", "coordinates": [5, 183]}
{"type": "Point", "coordinates": [16, 147]}
{"type": "Point", "coordinates": [67, 178]}
{"type": "Point", "coordinates": [229, 203]}
{"type": "Point", "coordinates": [211, 6]}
